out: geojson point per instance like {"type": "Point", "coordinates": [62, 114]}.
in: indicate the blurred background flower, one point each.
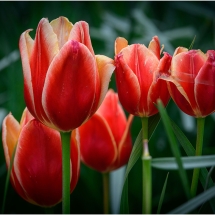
{"type": "Point", "coordinates": [176, 24]}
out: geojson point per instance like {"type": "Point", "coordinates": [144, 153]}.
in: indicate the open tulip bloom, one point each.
{"type": "Point", "coordinates": [36, 172]}
{"type": "Point", "coordinates": [64, 81]}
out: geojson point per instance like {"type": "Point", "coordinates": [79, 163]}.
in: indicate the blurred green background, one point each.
{"type": "Point", "coordinates": [175, 23]}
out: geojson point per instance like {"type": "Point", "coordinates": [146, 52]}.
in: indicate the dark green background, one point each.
{"type": "Point", "coordinates": [175, 23]}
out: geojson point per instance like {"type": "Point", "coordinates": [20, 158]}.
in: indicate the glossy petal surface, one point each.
{"type": "Point", "coordinates": [69, 90]}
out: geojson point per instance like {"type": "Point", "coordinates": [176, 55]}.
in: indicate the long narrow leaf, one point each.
{"type": "Point", "coordinates": [190, 162]}
{"type": "Point", "coordinates": [162, 195]}
{"type": "Point", "coordinates": [135, 155]}
{"type": "Point", "coordinates": [195, 202]}
{"type": "Point", "coordinates": [174, 147]}
{"type": "Point", "coordinates": [190, 151]}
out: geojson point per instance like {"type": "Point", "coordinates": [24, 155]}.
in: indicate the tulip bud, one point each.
{"type": "Point", "coordinates": [105, 141]}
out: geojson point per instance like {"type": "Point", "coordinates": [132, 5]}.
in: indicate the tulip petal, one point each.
{"type": "Point", "coordinates": [26, 45]}
{"type": "Point", "coordinates": [127, 85]}
{"type": "Point", "coordinates": [120, 43]}
{"type": "Point", "coordinates": [80, 33]}
{"type": "Point", "coordinates": [185, 66]}
{"type": "Point", "coordinates": [97, 145]}
{"type": "Point", "coordinates": [179, 50]}
{"type": "Point", "coordinates": [69, 89]}
{"type": "Point", "coordinates": [62, 28]}
{"type": "Point", "coordinates": [10, 135]}
{"type": "Point", "coordinates": [26, 117]}
{"type": "Point", "coordinates": [125, 145]}
{"type": "Point", "coordinates": [158, 88]}
{"type": "Point", "coordinates": [154, 46]}
{"type": "Point", "coordinates": [113, 114]}
{"type": "Point", "coordinates": [36, 171]}
{"type": "Point", "coordinates": [44, 49]}
{"type": "Point", "coordinates": [105, 67]}
{"type": "Point", "coordinates": [205, 86]}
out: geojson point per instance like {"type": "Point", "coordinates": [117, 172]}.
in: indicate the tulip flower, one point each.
{"type": "Point", "coordinates": [105, 141]}
{"type": "Point", "coordinates": [36, 173]}
{"type": "Point", "coordinates": [137, 72]}
{"type": "Point", "coordinates": [191, 81]}
{"type": "Point", "coordinates": [64, 81]}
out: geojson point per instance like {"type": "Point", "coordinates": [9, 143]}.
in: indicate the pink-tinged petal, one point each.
{"type": "Point", "coordinates": [120, 43]}
{"type": "Point", "coordinates": [179, 50]}
{"type": "Point", "coordinates": [97, 145]}
{"type": "Point", "coordinates": [205, 86]}
{"type": "Point", "coordinates": [127, 85]}
{"type": "Point", "coordinates": [105, 67]}
{"type": "Point", "coordinates": [10, 135]}
{"type": "Point", "coordinates": [125, 145]}
{"type": "Point", "coordinates": [39, 173]}
{"type": "Point", "coordinates": [80, 33]}
{"type": "Point", "coordinates": [184, 68]}
{"type": "Point", "coordinates": [44, 50]}
{"type": "Point", "coordinates": [62, 28]}
{"type": "Point", "coordinates": [70, 85]}
{"type": "Point", "coordinates": [25, 46]}
{"type": "Point", "coordinates": [154, 46]}
{"type": "Point", "coordinates": [114, 115]}
{"type": "Point", "coordinates": [75, 158]}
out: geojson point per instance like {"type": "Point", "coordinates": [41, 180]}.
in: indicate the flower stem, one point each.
{"type": "Point", "coordinates": [65, 139]}
{"type": "Point", "coordinates": [199, 144]}
{"type": "Point", "coordinates": [106, 192]}
{"type": "Point", "coordinates": [146, 171]}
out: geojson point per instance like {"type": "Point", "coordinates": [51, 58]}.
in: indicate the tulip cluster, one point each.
{"type": "Point", "coordinates": [66, 88]}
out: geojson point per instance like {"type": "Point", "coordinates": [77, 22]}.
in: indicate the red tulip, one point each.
{"type": "Point", "coordinates": [37, 169]}
{"type": "Point", "coordinates": [191, 82]}
{"type": "Point", "coordinates": [137, 72]}
{"type": "Point", "coordinates": [105, 141]}
{"type": "Point", "coordinates": [64, 81]}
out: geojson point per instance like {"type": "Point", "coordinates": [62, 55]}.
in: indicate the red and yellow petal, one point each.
{"type": "Point", "coordinates": [97, 145]}
{"type": "Point", "coordinates": [36, 171]}
{"type": "Point", "coordinates": [70, 86]}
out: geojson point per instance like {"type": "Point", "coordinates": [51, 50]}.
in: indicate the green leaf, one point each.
{"type": "Point", "coordinates": [162, 195]}
{"type": "Point", "coordinates": [135, 155]}
{"type": "Point", "coordinates": [195, 202]}
{"type": "Point", "coordinates": [174, 146]}
{"type": "Point", "coordinates": [190, 162]}
{"type": "Point", "coordinates": [190, 151]}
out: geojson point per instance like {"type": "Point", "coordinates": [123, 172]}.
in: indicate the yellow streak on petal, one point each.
{"type": "Point", "coordinates": [120, 43]}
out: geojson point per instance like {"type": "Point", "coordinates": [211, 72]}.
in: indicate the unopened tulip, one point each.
{"type": "Point", "coordinates": [105, 141]}
{"type": "Point", "coordinates": [64, 81]}
{"type": "Point", "coordinates": [36, 173]}
{"type": "Point", "coordinates": [137, 72]}
{"type": "Point", "coordinates": [191, 81]}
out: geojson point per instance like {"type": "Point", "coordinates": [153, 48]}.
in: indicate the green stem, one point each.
{"type": "Point", "coordinates": [199, 144]}
{"type": "Point", "coordinates": [106, 192]}
{"type": "Point", "coordinates": [65, 138]}
{"type": "Point", "coordinates": [146, 171]}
